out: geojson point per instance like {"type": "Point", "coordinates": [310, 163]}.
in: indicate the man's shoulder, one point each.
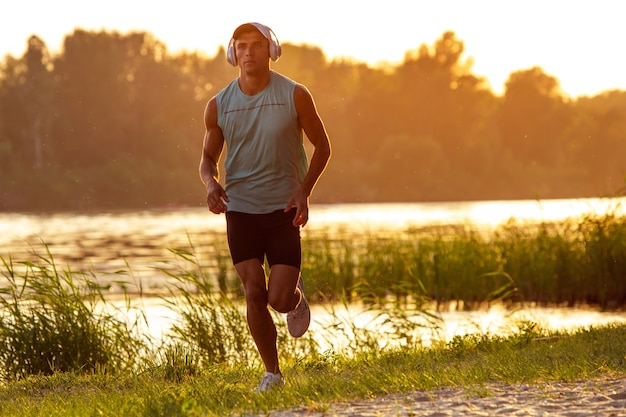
{"type": "Point", "coordinates": [227, 94]}
{"type": "Point", "coordinates": [278, 77]}
{"type": "Point", "coordinates": [227, 89]}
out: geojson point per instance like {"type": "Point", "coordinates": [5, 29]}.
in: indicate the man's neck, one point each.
{"type": "Point", "coordinates": [252, 84]}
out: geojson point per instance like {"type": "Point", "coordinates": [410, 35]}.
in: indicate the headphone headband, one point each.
{"type": "Point", "coordinates": [274, 48]}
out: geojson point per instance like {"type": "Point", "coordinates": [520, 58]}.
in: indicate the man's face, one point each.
{"type": "Point", "coordinates": [252, 51]}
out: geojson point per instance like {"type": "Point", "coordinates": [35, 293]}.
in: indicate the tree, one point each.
{"type": "Point", "coordinates": [533, 116]}
{"type": "Point", "coordinates": [25, 101]}
{"type": "Point", "coordinates": [440, 98]}
{"type": "Point", "coordinates": [93, 90]}
{"type": "Point", "coordinates": [596, 142]}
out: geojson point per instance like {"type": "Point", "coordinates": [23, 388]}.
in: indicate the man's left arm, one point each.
{"type": "Point", "coordinates": [311, 122]}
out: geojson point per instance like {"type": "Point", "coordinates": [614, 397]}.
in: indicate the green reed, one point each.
{"type": "Point", "coordinates": [53, 320]}
{"type": "Point", "coordinates": [212, 324]}
{"type": "Point", "coordinates": [580, 261]}
{"type": "Point", "coordinates": [573, 262]}
{"type": "Point", "coordinates": [577, 261]}
{"type": "Point", "coordinates": [213, 329]}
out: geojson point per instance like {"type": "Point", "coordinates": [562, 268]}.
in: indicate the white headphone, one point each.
{"type": "Point", "coordinates": [275, 49]}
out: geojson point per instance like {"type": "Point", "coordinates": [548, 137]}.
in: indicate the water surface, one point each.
{"type": "Point", "coordinates": [111, 240]}
{"type": "Point", "coordinates": [106, 242]}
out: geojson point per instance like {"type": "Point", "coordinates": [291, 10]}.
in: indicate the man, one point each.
{"type": "Point", "coordinates": [261, 116]}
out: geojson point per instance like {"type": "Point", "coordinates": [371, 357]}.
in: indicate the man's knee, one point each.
{"type": "Point", "coordinates": [282, 287]}
{"type": "Point", "coordinates": [281, 302]}
{"type": "Point", "coordinates": [256, 295]}
{"type": "Point", "coordinates": [253, 279]}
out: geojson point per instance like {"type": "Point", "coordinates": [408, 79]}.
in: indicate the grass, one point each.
{"type": "Point", "coordinates": [528, 356]}
{"type": "Point", "coordinates": [579, 261]}
{"type": "Point", "coordinates": [51, 321]}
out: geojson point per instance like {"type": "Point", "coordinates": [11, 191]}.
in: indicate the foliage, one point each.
{"type": "Point", "coordinates": [58, 321]}
{"type": "Point", "coordinates": [574, 262]}
{"type": "Point", "coordinates": [115, 121]}
{"type": "Point", "coordinates": [211, 324]}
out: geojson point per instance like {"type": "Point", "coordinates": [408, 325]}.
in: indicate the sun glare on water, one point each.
{"type": "Point", "coordinates": [489, 214]}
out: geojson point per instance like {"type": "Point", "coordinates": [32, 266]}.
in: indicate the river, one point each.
{"type": "Point", "coordinates": [112, 239]}
{"type": "Point", "coordinates": [105, 242]}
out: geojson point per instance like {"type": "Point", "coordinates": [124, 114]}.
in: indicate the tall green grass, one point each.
{"type": "Point", "coordinates": [579, 261]}
{"type": "Point", "coordinates": [575, 262]}
{"type": "Point", "coordinates": [53, 321]}
{"type": "Point", "coordinates": [60, 321]}
{"type": "Point", "coordinates": [214, 325]}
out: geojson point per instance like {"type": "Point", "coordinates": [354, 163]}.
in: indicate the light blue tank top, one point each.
{"type": "Point", "coordinates": [265, 157]}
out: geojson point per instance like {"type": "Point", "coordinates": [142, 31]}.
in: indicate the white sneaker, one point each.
{"type": "Point", "coordinates": [299, 318]}
{"type": "Point", "coordinates": [269, 382]}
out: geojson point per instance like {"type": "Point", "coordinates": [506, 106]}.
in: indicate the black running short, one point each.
{"type": "Point", "coordinates": [271, 235]}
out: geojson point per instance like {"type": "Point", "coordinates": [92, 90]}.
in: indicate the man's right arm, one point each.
{"type": "Point", "coordinates": [211, 152]}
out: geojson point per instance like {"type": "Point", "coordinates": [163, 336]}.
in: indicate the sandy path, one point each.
{"type": "Point", "coordinates": [601, 398]}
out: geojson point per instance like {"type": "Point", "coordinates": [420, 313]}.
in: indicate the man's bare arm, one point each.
{"type": "Point", "coordinates": [211, 152]}
{"type": "Point", "coordinates": [313, 126]}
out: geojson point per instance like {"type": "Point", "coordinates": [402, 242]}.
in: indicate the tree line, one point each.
{"type": "Point", "coordinates": [116, 121]}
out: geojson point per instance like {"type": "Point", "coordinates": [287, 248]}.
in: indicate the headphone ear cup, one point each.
{"type": "Point", "coordinates": [276, 51]}
{"type": "Point", "coordinates": [275, 48]}
{"type": "Point", "coordinates": [231, 57]}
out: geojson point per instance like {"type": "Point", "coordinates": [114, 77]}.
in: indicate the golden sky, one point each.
{"type": "Point", "coordinates": [579, 42]}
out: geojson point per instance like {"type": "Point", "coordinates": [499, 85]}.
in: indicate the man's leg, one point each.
{"type": "Point", "coordinates": [284, 255]}
{"type": "Point", "coordinates": [260, 322]}
{"type": "Point", "coordinates": [286, 295]}
{"type": "Point", "coordinates": [283, 295]}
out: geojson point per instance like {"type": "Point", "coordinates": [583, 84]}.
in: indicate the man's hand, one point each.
{"type": "Point", "coordinates": [301, 202]}
{"type": "Point", "coordinates": [216, 197]}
